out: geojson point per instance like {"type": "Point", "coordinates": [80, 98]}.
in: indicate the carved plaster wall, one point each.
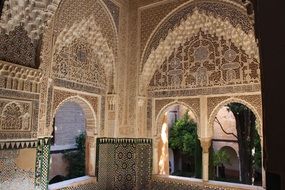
{"type": "Point", "coordinates": [33, 15]}
{"type": "Point", "coordinates": [204, 16]}
{"type": "Point", "coordinates": [19, 114]}
{"type": "Point", "coordinates": [204, 61]}
{"type": "Point", "coordinates": [80, 41]}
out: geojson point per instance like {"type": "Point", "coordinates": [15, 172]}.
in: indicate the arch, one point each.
{"type": "Point", "coordinates": [90, 127]}
{"type": "Point", "coordinates": [161, 149]}
{"type": "Point", "coordinates": [235, 100]}
{"type": "Point", "coordinates": [158, 122]}
{"type": "Point", "coordinates": [94, 22]}
{"type": "Point", "coordinates": [187, 28]}
{"type": "Point", "coordinates": [234, 159]}
{"type": "Point", "coordinates": [230, 148]}
{"type": "Point", "coordinates": [71, 13]}
{"type": "Point", "coordinates": [258, 123]}
{"type": "Point", "coordinates": [90, 115]}
{"type": "Point", "coordinates": [89, 29]}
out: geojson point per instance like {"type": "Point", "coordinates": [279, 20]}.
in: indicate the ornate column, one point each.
{"type": "Point", "coordinates": [111, 129]}
{"type": "Point", "coordinates": [205, 136]}
{"type": "Point", "coordinates": [205, 143]}
{"type": "Point", "coordinates": [141, 117]}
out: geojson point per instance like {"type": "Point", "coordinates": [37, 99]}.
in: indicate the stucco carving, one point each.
{"type": "Point", "coordinates": [152, 16]}
{"type": "Point", "coordinates": [33, 15]}
{"type": "Point", "coordinates": [187, 28]}
{"type": "Point", "coordinates": [18, 119]}
{"type": "Point", "coordinates": [74, 11]}
{"type": "Point", "coordinates": [16, 47]}
{"type": "Point", "coordinates": [80, 63]}
{"type": "Point", "coordinates": [205, 61]}
{"type": "Point", "coordinates": [16, 77]}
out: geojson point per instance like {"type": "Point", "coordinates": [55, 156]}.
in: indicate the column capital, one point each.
{"type": "Point", "coordinates": [205, 144]}
{"type": "Point", "coordinates": [141, 100]}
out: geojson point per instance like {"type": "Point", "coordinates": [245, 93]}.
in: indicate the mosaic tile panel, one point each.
{"type": "Point", "coordinates": [42, 164]}
{"type": "Point", "coordinates": [144, 153]}
{"type": "Point", "coordinates": [124, 163]}
{"type": "Point", "coordinates": [106, 166]}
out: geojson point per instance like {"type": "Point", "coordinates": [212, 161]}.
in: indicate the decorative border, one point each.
{"type": "Point", "coordinates": [42, 163]}
{"type": "Point", "coordinates": [78, 86]}
{"type": "Point", "coordinates": [18, 144]}
{"type": "Point", "coordinates": [206, 91]}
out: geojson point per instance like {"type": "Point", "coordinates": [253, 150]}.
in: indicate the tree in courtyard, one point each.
{"type": "Point", "coordinates": [248, 141]}
{"type": "Point", "coordinates": [183, 138]}
{"type": "Point", "coordinates": [220, 158]}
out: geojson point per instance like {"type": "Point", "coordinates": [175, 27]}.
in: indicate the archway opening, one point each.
{"type": "Point", "coordinates": [236, 146]}
{"type": "Point", "coordinates": [179, 149]}
{"type": "Point", "coordinates": [68, 138]}
{"type": "Point", "coordinates": [69, 157]}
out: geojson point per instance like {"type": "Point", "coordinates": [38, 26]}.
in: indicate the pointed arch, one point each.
{"type": "Point", "coordinates": [236, 100]}
{"type": "Point", "coordinates": [158, 123]}
{"type": "Point", "coordinates": [188, 27]}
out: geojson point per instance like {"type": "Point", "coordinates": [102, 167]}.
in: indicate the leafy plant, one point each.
{"type": "Point", "coordinates": [184, 139]}
{"type": "Point", "coordinates": [221, 157]}
{"type": "Point", "coordinates": [183, 135]}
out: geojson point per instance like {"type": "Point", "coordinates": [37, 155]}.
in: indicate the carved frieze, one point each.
{"type": "Point", "coordinates": [16, 77]}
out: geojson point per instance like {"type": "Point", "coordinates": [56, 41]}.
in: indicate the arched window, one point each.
{"type": "Point", "coordinates": [178, 148]}
{"type": "Point", "coordinates": [73, 150]}
{"type": "Point", "coordinates": [236, 146]}
{"type": "Point", "coordinates": [69, 134]}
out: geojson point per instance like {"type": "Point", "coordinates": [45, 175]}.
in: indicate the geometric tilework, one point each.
{"type": "Point", "coordinates": [144, 161]}
{"type": "Point", "coordinates": [124, 163]}
{"type": "Point", "coordinates": [42, 164]}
